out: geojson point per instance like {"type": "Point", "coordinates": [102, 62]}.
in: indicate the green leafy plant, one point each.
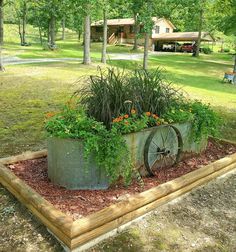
{"type": "Point", "coordinates": [206, 50]}
{"type": "Point", "coordinates": [107, 146]}
{"type": "Point", "coordinates": [128, 123]}
{"type": "Point", "coordinates": [204, 120]}
{"type": "Point", "coordinates": [116, 103]}
{"type": "Point", "coordinates": [116, 92]}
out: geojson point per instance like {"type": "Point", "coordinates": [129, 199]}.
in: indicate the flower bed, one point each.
{"type": "Point", "coordinates": [79, 203]}
{"type": "Point", "coordinates": [109, 129]}
{"type": "Point", "coordinates": [128, 203]}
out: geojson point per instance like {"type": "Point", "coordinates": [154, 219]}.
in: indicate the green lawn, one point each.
{"type": "Point", "coordinates": [27, 92]}
{"type": "Point", "coordinates": [70, 48]}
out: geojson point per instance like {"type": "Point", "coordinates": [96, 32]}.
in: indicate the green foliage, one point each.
{"type": "Point", "coordinates": [205, 121]}
{"type": "Point", "coordinates": [116, 92]}
{"type": "Point", "coordinates": [177, 115]}
{"type": "Point", "coordinates": [226, 50]}
{"type": "Point", "coordinates": [206, 50]}
{"type": "Point", "coordinates": [133, 122]}
{"type": "Point", "coordinates": [111, 96]}
{"type": "Point", "coordinates": [108, 147]}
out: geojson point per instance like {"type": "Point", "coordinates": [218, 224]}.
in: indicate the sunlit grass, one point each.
{"type": "Point", "coordinates": [27, 92]}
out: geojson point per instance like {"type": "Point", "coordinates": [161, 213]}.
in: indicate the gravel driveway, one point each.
{"type": "Point", "coordinates": [202, 221]}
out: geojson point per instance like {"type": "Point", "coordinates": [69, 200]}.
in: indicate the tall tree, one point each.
{"type": "Point", "coordinates": [87, 35]}
{"type": "Point", "coordinates": [225, 14]}
{"type": "Point", "coordinates": [1, 34]}
{"type": "Point", "coordinates": [104, 42]}
{"type": "Point", "coordinates": [145, 18]}
{"type": "Point", "coordinates": [21, 10]}
{"type": "Point", "coordinates": [136, 6]}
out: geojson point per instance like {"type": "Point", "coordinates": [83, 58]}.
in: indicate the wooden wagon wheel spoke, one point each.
{"type": "Point", "coordinates": [162, 148]}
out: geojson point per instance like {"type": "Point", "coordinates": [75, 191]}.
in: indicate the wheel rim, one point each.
{"type": "Point", "coordinates": [162, 148]}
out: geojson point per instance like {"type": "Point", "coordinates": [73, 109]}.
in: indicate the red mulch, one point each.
{"type": "Point", "coordinates": [78, 203]}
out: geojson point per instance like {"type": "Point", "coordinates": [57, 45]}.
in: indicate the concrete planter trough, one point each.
{"type": "Point", "coordinates": [68, 167]}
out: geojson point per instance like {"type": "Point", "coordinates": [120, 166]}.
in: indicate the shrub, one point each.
{"type": "Point", "coordinates": [116, 92]}
{"type": "Point", "coordinates": [206, 50]}
{"type": "Point", "coordinates": [226, 50]}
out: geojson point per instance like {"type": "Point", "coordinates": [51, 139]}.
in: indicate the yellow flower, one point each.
{"type": "Point", "coordinates": [133, 111]}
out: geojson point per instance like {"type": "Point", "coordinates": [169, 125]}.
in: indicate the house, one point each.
{"type": "Point", "coordinates": [122, 30]}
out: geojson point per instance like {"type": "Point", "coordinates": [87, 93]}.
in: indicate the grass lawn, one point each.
{"type": "Point", "coordinates": [27, 92]}
{"type": "Point", "coordinates": [70, 48]}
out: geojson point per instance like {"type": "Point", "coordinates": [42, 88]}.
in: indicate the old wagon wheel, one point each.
{"type": "Point", "coordinates": [162, 148]}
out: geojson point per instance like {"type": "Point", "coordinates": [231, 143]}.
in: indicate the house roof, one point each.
{"type": "Point", "coordinates": [127, 21]}
{"type": "Point", "coordinates": [182, 36]}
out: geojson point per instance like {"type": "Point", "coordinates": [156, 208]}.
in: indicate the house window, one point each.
{"type": "Point", "coordinates": [157, 29]}
{"type": "Point", "coordinates": [167, 30]}
{"type": "Point", "coordinates": [99, 29]}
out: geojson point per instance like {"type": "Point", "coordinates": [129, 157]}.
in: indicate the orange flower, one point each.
{"type": "Point", "coordinates": [133, 111]}
{"type": "Point", "coordinates": [155, 116]}
{"type": "Point", "coordinates": [126, 116]}
{"type": "Point", "coordinates": [148, 113]}
{"type": "Point", "coordinates": [114, 120]}
{"type": "Point", "coordinates": [50, 114]}
{"type": "Point", "coordinates": [157, 123]}
{"type": "Point", "coordinates": [127, 123]}
{"type": "Point", "coordinates": [120, 118]}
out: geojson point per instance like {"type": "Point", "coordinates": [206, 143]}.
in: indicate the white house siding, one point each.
{"type": "Point", "coordinates": [163, 24]}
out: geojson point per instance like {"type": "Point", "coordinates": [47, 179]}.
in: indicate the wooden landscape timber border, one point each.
{"type": "Point", "coordinates": [74, 234]}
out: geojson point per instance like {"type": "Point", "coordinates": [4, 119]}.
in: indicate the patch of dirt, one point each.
{"type": "Point", "coordinates": [201, 221]}
{"type": "Point", "coordinates": [78, 203]}
{"type": "Point", "coordinates": [20, 231]}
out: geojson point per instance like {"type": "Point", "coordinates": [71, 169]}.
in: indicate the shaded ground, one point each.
{"type": "Point", "coordinates": [202, 221]}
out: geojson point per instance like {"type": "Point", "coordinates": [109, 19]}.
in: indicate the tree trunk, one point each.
{"type": "Point", "coordinates": [1, 35]}
{"type": "Point", "coordinates": [235, 63]}
{"type": "Point", "coordinates": [63, 27]}
{"type": "Point", "coordinates": [86, 56]}
{"type": "Point", "coordinates": [79, 35]}
{"type": "Point", "coordinates": [146, 45]}
{"type": "Point", "coordinates": [19, 31]}
{"type": "Point", "coordinates": [1, 22]}
{"type": "Point", "coordinates": [196, 53]}
{"type": "Point", "coordinates": [135, 47]}
{"type": "Point", "coordinates": [24, 23]}
{"type": "Point", "coordinates": [104, 44]}
{"type": "Point", "coordinates": [49, 28]}
{"type": "Point", "coordinates": [40, 35]}
{"type": "Point", "coordinates": [52, 31]}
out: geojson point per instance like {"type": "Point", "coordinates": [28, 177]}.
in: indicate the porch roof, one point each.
{"type": "Point", "coordinates": [127, 21]}
{"type": "Point", "coordinates": [182, 36]}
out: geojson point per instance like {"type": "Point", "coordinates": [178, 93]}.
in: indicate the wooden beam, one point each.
{"type": "Point", "coordinates": [31, 197]}
{"type": "Point", "coordinates": [83, 238]}
{"type": "Point", "coordinates": [24, 156]}
{"type": "Point", "coordinates": [134, 202]}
